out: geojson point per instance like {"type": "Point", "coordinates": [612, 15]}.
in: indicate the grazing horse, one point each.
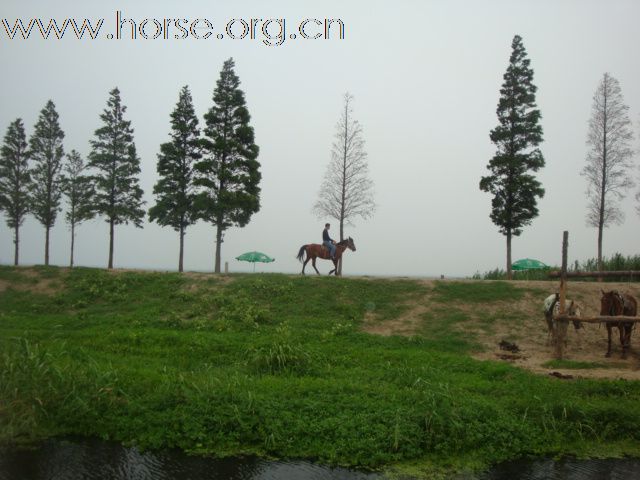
{"type": "Point", "coordinates": [613, 304]}
{"type": "Point", "coordinates": [314, 250]}
{"type": "Point", "coordinates": [552, 307]}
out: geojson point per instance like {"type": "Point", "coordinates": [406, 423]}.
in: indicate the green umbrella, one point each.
{"type": "Point", "coordinates": [254, 257]}
{"type": "Point", "coordinates": [528, 264]}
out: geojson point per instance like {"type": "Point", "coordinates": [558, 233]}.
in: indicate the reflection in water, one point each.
{"type": "Point", "coordinates": [568, 469]}
{"type": "Point", "coordinates": [89, 459]}
{"type": "Point", "coordinates": [98, 460]}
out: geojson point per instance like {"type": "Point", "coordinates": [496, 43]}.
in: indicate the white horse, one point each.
{"type": "Point", "coordinates": [552, 307]}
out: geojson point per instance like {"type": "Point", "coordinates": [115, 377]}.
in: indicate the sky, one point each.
{"type": "Point", "coordinates": [425, 76]}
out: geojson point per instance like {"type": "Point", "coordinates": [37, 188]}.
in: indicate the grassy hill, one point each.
{"type": "Point", "coordinates": [281, 366]}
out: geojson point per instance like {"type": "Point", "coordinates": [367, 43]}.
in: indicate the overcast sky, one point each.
{"type": "Point", "coordinates": [425, 76]}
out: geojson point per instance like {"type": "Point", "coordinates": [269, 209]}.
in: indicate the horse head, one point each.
{"type": "Point", "coordinates": [611, 303]}
{"type": "Point", "coordinates": [351, 245]}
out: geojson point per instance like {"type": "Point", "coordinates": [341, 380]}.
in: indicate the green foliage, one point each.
{"type": "Point", "coordinates": [517, 137]}
{"type": "Point", "coordinates": [229, 171]}
{"type": "Point", "coordinates": [617, 262]}
{"type": "Point", "coordinates": [78, 189]}
{"type": "Point", "coordinates": [281, 355]}
{"type": "Point", "coordinates": [113, 154]}
{"type": "Point", "coordinates": [174, 190]}
{"type": "Point", "coordinates": [47, 153]}
{"type": "Point", "coordinates": [80, 192]}
{"type": "Point", "coordinates": [290, 375]}
{"type": "Point", "coordinates": [15, 178]}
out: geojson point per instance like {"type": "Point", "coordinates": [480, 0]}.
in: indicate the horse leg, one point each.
{"type": "Point", "coordinates": [305, 264]}
{"type": "Point", "coordinates": [623, 339]}
{"type": "Point", "coordinates": [313, 262]}
{"type": "Point", "coordinates": [608, 354]}
{"type": "Point", "coordinates": [548, 318]}
{"type": "Point", "coordinates": [335, 267]}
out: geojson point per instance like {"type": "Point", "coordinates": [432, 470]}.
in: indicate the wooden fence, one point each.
{"type": "Point", "coordinates": [562, 320]}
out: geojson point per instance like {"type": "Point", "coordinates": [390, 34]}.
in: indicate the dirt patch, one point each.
{"type": "Point", "coordinates": [522, 322]}
{"type": "Point", "coordinates": [406, 324]}
{"type": "Point", "coordinates": [30, 280]}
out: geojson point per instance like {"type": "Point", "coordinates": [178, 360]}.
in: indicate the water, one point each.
{"type": "Point", "coordinates": [89, 459]}
{"type": "Point", "coordinates": [566, 469]}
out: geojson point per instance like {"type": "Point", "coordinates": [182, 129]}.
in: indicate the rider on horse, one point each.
{"type": "Point", "coordinates": [328, 242]}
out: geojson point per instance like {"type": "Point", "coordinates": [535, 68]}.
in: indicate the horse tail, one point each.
{"type": "Point", "coordinates": [301, 253]}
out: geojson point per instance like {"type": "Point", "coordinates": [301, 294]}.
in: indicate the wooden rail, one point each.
{"type": "Point", "coordinates": [598, 319]}
{"type": "Point", "coordinates": [562, 320]}
{"type": "Point", "coordinates": [609, 273]}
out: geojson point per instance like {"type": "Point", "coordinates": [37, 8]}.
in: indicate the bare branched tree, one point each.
{"type": "Point", "coordinates": [346, 191]}
{"type": "Point", "coordinates": [610, 158]}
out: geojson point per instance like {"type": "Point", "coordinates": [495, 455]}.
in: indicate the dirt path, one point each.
{"type": "Point", "coordinates": [522, 322]}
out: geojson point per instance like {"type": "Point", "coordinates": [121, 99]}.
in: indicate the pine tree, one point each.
{"type": "Point", "coordinates": [609, 165]}
{"type": "Point", "coordinates": [174, 191]}
{"type": "Point", "coordinates": [118, 194]}
{"type": "Point", "coordinates": [79, 191]}
{"type": "Point", "coordinates": [229, 170]}
{"type": "Point", "coordinates": [47, 153]}
{"type": "Point", "coordinates": [517, 137]}
{"type": "Point", "coordinates": [15, 180]}
{"type": "Point", "coordinates": [346, 191]}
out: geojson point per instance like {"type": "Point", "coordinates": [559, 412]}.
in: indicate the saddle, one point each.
{"type": "Point", "coordinates": [324, 251]}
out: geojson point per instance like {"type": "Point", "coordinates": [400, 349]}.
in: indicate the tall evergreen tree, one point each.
{"type": "Point", "coordinates": [47, 153]}
{"type": "Point", "coordinates": [515, 190]}
{"type": "Point", "coordinates": [608, 168]}
{"type": "Point", "coordinates": [15, 180]}
{"type": "Point", "coordinates": [229, 170]}
{"type": "Point", "coordinates": [79, 191]}
{"type": "Point", "coordinates": [174, 191]}
{"type": "Point", "coordinates": [118, 194]}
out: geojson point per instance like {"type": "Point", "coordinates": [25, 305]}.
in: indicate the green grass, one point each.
{"type": "Point", "coordinates": [277, 365]}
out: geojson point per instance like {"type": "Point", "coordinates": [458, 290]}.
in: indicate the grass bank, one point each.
{"type": "Point", "coordinates": [278, 366]}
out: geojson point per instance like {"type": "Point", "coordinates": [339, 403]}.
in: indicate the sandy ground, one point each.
{"type": "Point", "coordinates": [524, 325]}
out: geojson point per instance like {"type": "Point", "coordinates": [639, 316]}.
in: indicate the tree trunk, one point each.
{"type": "Point", "coordinates": [110, 244]}
{"type": "Point", "coordinates": [180, 264]}
{"type": "Point", "coordinates": [46, 247]}
{"type": "Point", "coordinates": [509, 274]}
{"type": "Point", "coordinates": [16, 241]}
{"type": "Point", "coordinates": [603, 186]}
{"type": "Point", "coordinates": [339, 267]}
{"type": "Point", "coordinates": [601, 215]}
{"type": "Point", "coordinates": [600, 266]}
{"type": "Point", "coordinates": [218, 245]}
{"type": "Point", "coordinates": [73, 235]}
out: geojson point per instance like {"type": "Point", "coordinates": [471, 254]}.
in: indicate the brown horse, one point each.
{"type": "Point", "coordinates": [314, 250]}
{"type": "Point", "coordinates": [613, 304]}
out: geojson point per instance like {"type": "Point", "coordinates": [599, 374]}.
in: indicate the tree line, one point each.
{"type": "Point", "coordinates": [213, 175]}
{"type": "Point", "coordinates": [608, 167]}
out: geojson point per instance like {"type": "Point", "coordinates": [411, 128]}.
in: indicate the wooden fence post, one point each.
{"type": "Point", "coordinates": [561, 325]}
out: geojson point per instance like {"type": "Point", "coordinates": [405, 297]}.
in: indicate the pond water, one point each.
{"type": "Point", "coordinates": [89, 459]}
